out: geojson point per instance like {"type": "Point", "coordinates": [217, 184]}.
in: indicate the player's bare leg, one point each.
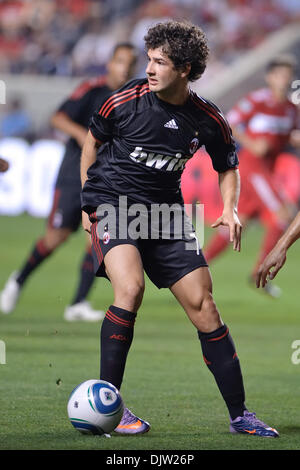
{"type": "Point", "coordinates": [125, 271]}
{"type": "Point", "coordinates": [54, 237]}
{"type": "Point", "coordinates": [194, 293]}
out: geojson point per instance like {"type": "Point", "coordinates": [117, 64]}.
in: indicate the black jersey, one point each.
{"type": "Point", "coordinates": [80, 107]}
{"type": "Point", "coordinates": [146, 144]}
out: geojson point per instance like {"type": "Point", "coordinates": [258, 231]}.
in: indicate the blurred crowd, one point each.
{"type": "Point", "coordinates": [75, 37]}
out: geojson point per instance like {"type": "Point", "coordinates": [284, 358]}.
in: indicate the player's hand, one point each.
{"type": "Point", "coordinates": [275, 259]}
{"type": "Point", "coordinates": [231, 220]}
{"type": "Point", "coordinates": [3, 165]}
{"type": "Point", "coordinates": [86, 223]}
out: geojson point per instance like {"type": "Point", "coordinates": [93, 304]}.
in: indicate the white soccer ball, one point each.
{"type": "Point", "coordinates": [95, 407]}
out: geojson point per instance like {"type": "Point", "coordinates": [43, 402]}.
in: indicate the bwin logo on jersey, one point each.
{"type": "Point", "coordinates": [158, 160]}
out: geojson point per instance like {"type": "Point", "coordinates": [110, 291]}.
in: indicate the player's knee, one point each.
{"type": "Point", "coordinates": [131, 294]}
{"type": "Point", "coordinates": [55, 237]}
{"type": "Point", "coordinates": [205, 311]}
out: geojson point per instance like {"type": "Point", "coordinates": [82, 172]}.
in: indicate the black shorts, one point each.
{"type": "Point", "coordinates": [164, 261]}
{"type": "Point", "coordinates": [66, 208]}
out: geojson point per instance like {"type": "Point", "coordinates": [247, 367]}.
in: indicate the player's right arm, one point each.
{"type": "Point", "coordinates": [88, 157]}
{"type": "Point", "coordinates": [222, 150]}
{"type": "Point", "coordinates": [277, 257]}
{"type": "Point", "coordinates": [102, 128]}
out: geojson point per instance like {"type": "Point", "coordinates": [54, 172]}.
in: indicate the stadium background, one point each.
{"type": "Point", "coordinates": [46, 49]}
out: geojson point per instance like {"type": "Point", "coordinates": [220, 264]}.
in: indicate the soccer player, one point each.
{"type": "Point", "coordinates": [277, 257]}
{"type": "Point", "coordinates": [72, 118]}
{"type": "Point", "coordinates": [263, 122]}
{"type": "Point", "coordinates": [136, 148]}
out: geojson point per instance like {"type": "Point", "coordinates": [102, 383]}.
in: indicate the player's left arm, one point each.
{"type": "Point", "coordinates": [222, 150]}
{"type": "Point", "coordinates": [229, 182]}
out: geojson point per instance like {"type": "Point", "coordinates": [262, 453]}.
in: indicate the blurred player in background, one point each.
{"type": "Point", "coordinates": [72, 118]}
{"type": "Point", "coordinates": [277, 257]}
{"type": "Point", "coordinates": [263, 123]}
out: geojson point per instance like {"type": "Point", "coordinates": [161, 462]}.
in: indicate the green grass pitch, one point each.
{"type": "Point", "coordinates": [166, 380]}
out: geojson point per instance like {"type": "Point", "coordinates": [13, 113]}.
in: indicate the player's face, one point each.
{"type": "Point", "coordinates": [121, 66]}
{"type": "Point", "coordinates": [161, 73]}
{"type": "Point", "coordinates": [279, 79]}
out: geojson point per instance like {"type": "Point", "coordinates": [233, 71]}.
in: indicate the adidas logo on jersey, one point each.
{"type": "Point", "coordinates": [171, 124]}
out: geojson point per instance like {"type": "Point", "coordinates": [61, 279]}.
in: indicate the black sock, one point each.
{"type": "Point", "coordinates": [87, 278]}
{"type": "Point", "coordinates": [221, 359]}
{"type": "Point", "coordinates": [39, 253]}
{"type": "Point", "coordinates": [116, 338]}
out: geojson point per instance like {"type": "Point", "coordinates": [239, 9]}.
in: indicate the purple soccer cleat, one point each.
{"type": "Point", "coordinates": [250, 424]}
{"type": "Point", "coordinates": [131, 424]}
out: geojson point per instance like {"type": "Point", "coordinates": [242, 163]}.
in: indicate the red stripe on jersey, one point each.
{"type": "Point", "coordinates": [96, 243]}
{"type": "Point", "coordinates": [137, 93]}
{"type": "Point", "coordinates": [139, 90]}
{"type": "Point", "coordinates": [93, 217]}
{"type": "Point", "coordinates": [119, 95]}
{"type": "Point", "coordinates": [86, 86]}
{"type": "Point", "coordinates": [216, 116]}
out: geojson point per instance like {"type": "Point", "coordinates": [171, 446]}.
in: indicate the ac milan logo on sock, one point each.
{"type": "Point", "coordinates": [118, 337]}
{"type": "Point", "coordinates": [106, 238]}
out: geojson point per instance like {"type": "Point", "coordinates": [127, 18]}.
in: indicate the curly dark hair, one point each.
{"type": "Point", "coordinates": [183, 42]}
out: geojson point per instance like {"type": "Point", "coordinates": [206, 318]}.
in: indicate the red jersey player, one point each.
{"type": "Point", "coordinates": [263, 123]}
